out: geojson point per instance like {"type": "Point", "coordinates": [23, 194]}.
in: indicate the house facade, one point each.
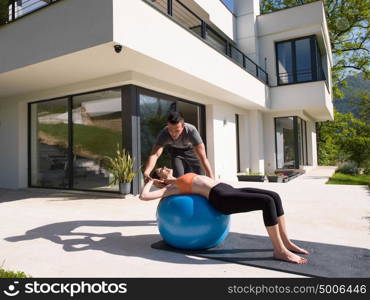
{"type": "Point", "coordinates": [78, 78]}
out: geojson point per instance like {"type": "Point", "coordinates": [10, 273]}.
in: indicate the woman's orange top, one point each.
{"type": "Point", "coordinates": [184, 183]}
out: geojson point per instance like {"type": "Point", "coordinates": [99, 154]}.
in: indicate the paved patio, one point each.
{"type": "Point", "coordinates": [48, 233]}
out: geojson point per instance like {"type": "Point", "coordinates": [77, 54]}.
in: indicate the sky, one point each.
{"type": "Point", "coordinates": [228, 3]}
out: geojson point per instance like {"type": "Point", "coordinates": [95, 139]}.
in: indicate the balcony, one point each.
{"type": "Point", "coordinates": [311, 97]}
{"type": "Point", "coordinates": [68, 47]}
{"type": "Point", "coordinates": [20, 8]}
{"type": "Point", "coordinates": [177, 11]}
{"type": "Point", "coordinates": [183, 15]}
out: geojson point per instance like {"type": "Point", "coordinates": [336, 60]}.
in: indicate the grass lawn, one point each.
{"type": "Point", "coordinates": [340, 178]}
{"type": "Point", "coordinates": [11, 274]}
{"type": "Point", "coordinates": [96, 140]}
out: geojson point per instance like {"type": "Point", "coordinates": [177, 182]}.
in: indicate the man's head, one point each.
{"type": "Point", "coordinates": [175, 123]}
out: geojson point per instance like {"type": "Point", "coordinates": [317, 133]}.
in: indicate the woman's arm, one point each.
{"type": "Point", "coordinates": [147, 195]}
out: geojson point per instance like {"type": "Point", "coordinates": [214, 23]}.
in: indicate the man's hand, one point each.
{"type": "Point", "coordinates": [147, 178]}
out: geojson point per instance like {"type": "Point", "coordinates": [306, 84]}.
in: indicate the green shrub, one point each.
{"type": "Point", "coordinates": [348, 167]}
{"type": "Point", "coordinates": [12, 274]}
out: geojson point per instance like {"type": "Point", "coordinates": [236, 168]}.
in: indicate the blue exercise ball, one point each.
{"type": "Point", "coordinates": [190, 222]}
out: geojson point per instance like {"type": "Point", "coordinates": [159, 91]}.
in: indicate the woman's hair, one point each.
{"type": "Point", "coordinates": [154, 174]}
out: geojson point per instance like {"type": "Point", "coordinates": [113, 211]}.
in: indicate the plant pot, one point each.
{"type": "Point", "coordinates": [125, 188]}
{"type": "Point", "coordinates": [275, 178]}
{"type": "Point", "coordinates": [259, 178]}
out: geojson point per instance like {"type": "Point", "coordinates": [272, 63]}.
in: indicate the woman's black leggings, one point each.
{"type": "Point", "coordinates": [229, 200]}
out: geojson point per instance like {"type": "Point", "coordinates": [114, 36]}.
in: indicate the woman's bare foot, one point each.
{"type": "Point", "coordinates": [294, 248]}
{"type": "Point", "coordinates": [289, 257]}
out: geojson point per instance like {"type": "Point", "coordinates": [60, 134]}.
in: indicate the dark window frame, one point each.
{"type": "Point", "coordinates": [130, 121]}
{"type": "Point", "coordinates": [237, 128]}
{"type": "Point", "coordinates": [314, 48]}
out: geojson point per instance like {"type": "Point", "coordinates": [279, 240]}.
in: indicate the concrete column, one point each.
{"type": "Point", "coordinates": [311, 144]}
{"type": "Point", "coordinates": [210, 136]}
{"type": "Point", "coordinates": [244, 142]}
{"type": "Point", "coordinates": [9, 162]}
{"type": "Point", "coordinates": [221, 140]}
{"type": "Point", "coordinates": [256, 141]}
{"type": "Point", "coordinates": [246, 12]}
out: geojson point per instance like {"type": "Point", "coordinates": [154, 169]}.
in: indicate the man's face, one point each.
{"type": "Point", "coordinates": [175, 130]}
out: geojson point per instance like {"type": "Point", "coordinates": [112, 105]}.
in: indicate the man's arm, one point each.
{"type": "Point", "coordinates": [200, 150]}
{"type": "Point", "coordinates": [152, 160]}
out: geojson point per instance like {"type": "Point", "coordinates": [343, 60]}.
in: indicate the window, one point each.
{"type": "Point", "coordinates": [290, 142]}
{"type": "Point", "coordinates": [303, 60]}
{"type": "Point", "coordinates": [70, 137]}
{"type": "Point", "coordinates": [49, 144]}
{"type": "Point", "coordinates": [97, 131]}
{"type": "Point", "coordinates": [284, 54]}
{"type": "Point", "coordinates": [154, 108]}
{"type": "Point", "coordinates": [299, 60]}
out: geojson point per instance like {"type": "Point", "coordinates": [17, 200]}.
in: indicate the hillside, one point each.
{"type": "Point", "coordinates": [356, 84]}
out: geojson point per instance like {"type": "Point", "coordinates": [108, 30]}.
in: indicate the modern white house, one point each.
{"type": "Point", "coordinates": [78, 77]}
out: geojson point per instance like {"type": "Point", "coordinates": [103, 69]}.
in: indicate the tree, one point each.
{"type": "Point", "coordinates": [345, 138]}
{"type": "Point", "coordinates": [348, 23]}
{"type": "Point", "coordinates": [363, 106]}
{"type": "Point", "coordinates": [4, 11]}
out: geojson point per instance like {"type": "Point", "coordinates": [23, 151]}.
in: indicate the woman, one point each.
{"type": "Point", "coordinates": [228, 200]}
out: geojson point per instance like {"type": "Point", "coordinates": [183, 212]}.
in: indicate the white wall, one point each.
{"type": "Point", "coordinates": [311, 143]}
{"type": "Point", "coordinates": [244, 141]}
{"type": "Point", "coordinates": [219, 15]}
{"type": "Point", "coordinates": [246, 12]}
{"type": "Point", "coordinates": [62, 28]}
{"type": "Point", "coordinates": [221, 140]}
{"type": "Point", "coordinates": [9, 146]}
{"type": "Point", "coordinates": [166, 42]}
{"type": "Point", "coordinates": [313, 97]}
{"type": "Point", "coordinates": [256, 129]}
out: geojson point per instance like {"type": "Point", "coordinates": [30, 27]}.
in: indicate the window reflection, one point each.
{"type": "Point", "coordinates": [49, 144]}
{"type": "Point", "coordinates": [97, 130]}
{"type": "Point", "coordinates": [288, 144]}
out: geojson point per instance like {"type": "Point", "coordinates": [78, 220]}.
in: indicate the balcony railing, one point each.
{"type": "Point", "coordinates": [303, 75]}
{"type": "Point", "coordinates": [11, 10]}
{"type": "Point", "coordinates": [183, 15]}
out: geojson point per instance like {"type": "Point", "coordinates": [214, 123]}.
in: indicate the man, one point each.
{"type": "Point", "coordinates": [187, 149]}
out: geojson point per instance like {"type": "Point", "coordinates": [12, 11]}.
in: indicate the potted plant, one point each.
{"type": "Point", "coordinates": [121, 168]}
{"type": "Point", "coordinates": [251, 176]}
{"type": "Point", "coordinates": [275, 177]}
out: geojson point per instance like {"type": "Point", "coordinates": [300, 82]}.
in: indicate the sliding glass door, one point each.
{"type": "Point", "coordinates": [70, 138]}
{"type": "Point", "coordinates": [291, 142]}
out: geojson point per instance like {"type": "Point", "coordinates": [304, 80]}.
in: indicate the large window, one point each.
{"type": "Point", "coordinates": [70, 137]}
{"type": "Point", "coordinates": [299, 60]}
{"type": "Point", "coordinates": [154, 108]}
{"type": "Point", "coordinates": [291, 142]}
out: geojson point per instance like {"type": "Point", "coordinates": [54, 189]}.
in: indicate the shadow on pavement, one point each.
{"type": "Point", "coordinates": [67, 235]}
